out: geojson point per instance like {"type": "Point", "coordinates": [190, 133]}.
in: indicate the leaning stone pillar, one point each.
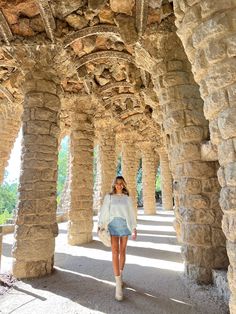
{"type": "Point", "coordinates": [107, 159]}
{"type": "Point", "coordinates": [198, 215]}
{"type": "Point", "coordinates": [81, 185]}
{"type": "Point", "coordinates": [10, 125]}
{"type": "Point", "coordinates": [207, 30]}
{"type": "Point", "coordinates": [166, 182]}
{"type": "Point", "coordinates": [148, 178]}
{"type": "Point", "coordinates": [129, 167]}
{"type": "Point", "coordinates": [36, 227]}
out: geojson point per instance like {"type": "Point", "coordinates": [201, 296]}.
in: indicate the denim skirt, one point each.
{"type": "Point", "coordinates": [118, 227]}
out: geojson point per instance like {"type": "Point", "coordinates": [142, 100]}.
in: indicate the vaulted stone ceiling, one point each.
{"type": "Point", "coordinates": [98, 42]}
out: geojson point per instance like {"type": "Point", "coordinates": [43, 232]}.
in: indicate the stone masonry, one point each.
{"type": "Point", "coordinates": [36, 225]}
{"type": "Point", "coordinates": [149, 178]}
{"type": "Point", "coordinates": [160, 75]}
{"type": "Point", "coordinates": [166, 181]}
{"type": "Point", "coordinates": [210, 47]}
{"type": "Point", "coordinates": [81, 185]}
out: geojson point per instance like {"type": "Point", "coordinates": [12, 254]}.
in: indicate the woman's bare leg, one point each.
{"type": "Point", "coordinates": [123, 245]}
{"type": "Point", "coordinates": [115, 255]}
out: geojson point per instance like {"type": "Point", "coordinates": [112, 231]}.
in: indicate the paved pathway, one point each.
{"type": "Point", "coordinates": [83, 280]}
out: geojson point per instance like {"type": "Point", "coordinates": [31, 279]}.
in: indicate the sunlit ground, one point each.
{"type": "Point", "coordinates": [83, 281]}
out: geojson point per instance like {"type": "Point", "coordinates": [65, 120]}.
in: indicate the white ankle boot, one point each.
{"type": "Point", "coordinates": [119, 292]}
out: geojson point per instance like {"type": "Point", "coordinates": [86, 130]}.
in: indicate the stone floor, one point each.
{"type": "Point", "coordinates": [83, 280]}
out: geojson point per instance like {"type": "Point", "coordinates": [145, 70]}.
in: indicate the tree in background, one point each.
{"type": "Point", "coordinates": [63, 157]}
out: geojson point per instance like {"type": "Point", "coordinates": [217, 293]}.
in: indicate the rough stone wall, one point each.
{"type": "Point", "coordinates": [166, 181]}
{"type": "Point", "coordinates": [36, 226]}
{"type": "Point", "coordinates": [148, 178]}
{"type": "Point", "coordinates": [9, 130]}
{"type": "Point", "coordinates": [129, 168]}
{"type": "Point", "coordinates": [198, 215]}
{"type": "Point", "coordinates": [207, 30]}
{"type": "Point", "coordinates": [107, 160]}
{"type": "Point", "coordinates": [80, 223]}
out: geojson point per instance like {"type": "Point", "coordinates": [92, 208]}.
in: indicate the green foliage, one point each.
{"type": "Point", "coordinates": [158, 180]}
{"type": "Point", "coordinates": [8, 197]}
{"type": "Point", "coordinates": [4, 217]}
{"type": "Point", "coordinates": [62, 166]}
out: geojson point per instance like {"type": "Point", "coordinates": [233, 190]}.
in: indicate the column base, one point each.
{"type": "Point", "coordinates": [200, 275]}
{"type": "Point", "coordinates": [149, 212]}
{"type": "Point", "coordinates": [80, 238]}
{"type": "Point", "coordinates": [32, 269]}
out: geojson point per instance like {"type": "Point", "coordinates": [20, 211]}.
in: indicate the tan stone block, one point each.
{"type": "Point", "coordinates": [31, 175]}
{"type": "Point", "coordinates": [79, 238]}
{"type": "Point", "coordinates": [174, 121]}
{"type": "Point", "coordinates": [40, 140]}
{"type": "Point", "coordinates": [231, 251]}
{"type": "Point", "coordinates": [226, 152]}
{"type": "Point", "coordinates": [186, 152]}
{"type": "Point", "coordinates": [218, 237]}
{"type": "Point", "coordinates": [195, 201]}
{"type": "Point", "coordinates": [215, 132]}
{"type": "Point", "coordinates": [122, 6]}
{"type": "Point", "coordinates": [188, 185]}
{"type": "Point", "coordinates": [227, 123]}
{"type": "Point", "coordinates": [33, 250]}
{"type": "Point", "coordinates": [194, 118]}
{"type": "Point", "coordinates": [197, 216]}
{"type": "Point", "coordinates": [229, 226]}
{"type": "Point", "coordinates": [191, 134]}
{"type": "Point", "coordinates": [215, 52]}
{"type": "Point", "coordinates": [46, 206]}
{"type": "Point", "coordinates": [217, 25]}
{"type": "Point", "coordinates": [44, 114]}
{"type": "Point", "coordinates": [26, 207]}
{"type": "Point", "coordinates": [22, 269]}
{"type": "Point", "coordinates": [230, 174]}
{"type": "Point", "coordinates": [46, 86]}
{"type": "Point", "coordinates": [51, 101]}
{"type": "Point", "coordinates": [33, 100]}
{"type": "Point", "coordinates": [215, 103]}
{"type": "Point", "coordinates": [48, 175]}
{"type": "Point", "coordinates": [45, 231]}
{"type": "Point", "coordinates": [208, 8]}
{"type": "Point", "coordinates": [38, 127]}
{"type": "Point", "coordinates": [228, 198]}
{"type": "Point", "coordinates": [197, 234]}
{"type": "Point", "coordinates": [198, 169]}
{"type": "Point", "coordinates": [175, 78]}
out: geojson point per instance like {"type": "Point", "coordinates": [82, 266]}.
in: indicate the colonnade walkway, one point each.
{"type": "Point", "coordinates": [83, 281]}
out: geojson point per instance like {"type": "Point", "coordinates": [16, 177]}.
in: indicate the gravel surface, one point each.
{"type": "Point", "coordinates": [83, 281]}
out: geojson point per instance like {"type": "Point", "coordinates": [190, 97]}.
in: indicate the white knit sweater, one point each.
{"type": "Point", "coordinates": [117, 206]}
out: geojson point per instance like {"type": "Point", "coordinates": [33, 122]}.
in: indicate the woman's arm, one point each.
{"type": "Point", "coordinates": [103, 211]}
{"type": "Point", "coordinates": [132, 218]}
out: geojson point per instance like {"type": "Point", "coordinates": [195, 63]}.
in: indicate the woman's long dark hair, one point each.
{"type": "Point", "coordinates": [124, 190]}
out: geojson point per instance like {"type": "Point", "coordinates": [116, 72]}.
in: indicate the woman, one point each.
{"type": "Point", "coordinates": [117, 211]}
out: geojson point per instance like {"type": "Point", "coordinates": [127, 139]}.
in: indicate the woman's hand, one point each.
{"type": "Point", "coordinates": [134, 234]}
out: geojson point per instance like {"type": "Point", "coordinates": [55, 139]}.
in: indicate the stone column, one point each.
{"type": "Point", "coordinates": [149, 178]}
{"type": "Point", "coordinates": [198, 214]}
{"type": "Point", "coordinates": [107, 160]}
{"type": "Point", "coordinates": [10, 126]}
{"type": "Point", "coordinates": [166, 182]}
{"type": "Point", "coordinates": [129, 168]}
{"type": "Point", "coordinates": [36, 227]}
{"type": "Point", "coordinates": [81, 185]}
{"type": "Point", "coordinates": [207, 30]}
